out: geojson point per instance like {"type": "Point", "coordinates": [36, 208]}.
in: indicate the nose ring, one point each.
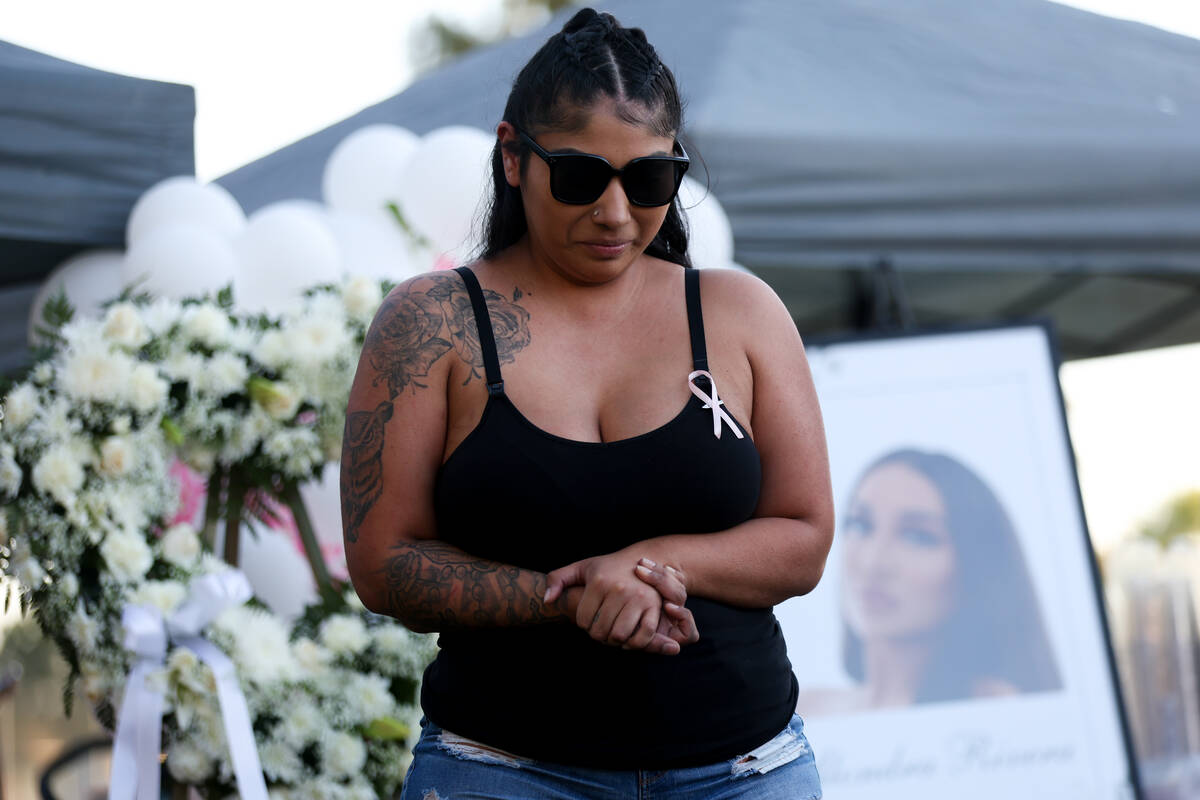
{"type": "Point", "coordinates": [595, 212]}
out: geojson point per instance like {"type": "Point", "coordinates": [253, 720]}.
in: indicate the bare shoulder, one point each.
{"type": "Point", "coordinates": [744, 303]}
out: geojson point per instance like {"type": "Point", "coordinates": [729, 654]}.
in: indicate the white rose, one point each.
{"type": "Point", "coordinates": [127, 555]}
{"type": "Point", "coordinates": [361, 296]}
{"type": "Point", "coordinates": [188, 763]}
{"type": "Point", "coordinates": [116, 456]}
{"type": "Point", "coordinates": [180, 545]}
{"type": "Point", "coordinates": [207, 324]}
{"type": "Point", "coordinates": [91, 371]}
{"type": "Point", "coordinates": [343, 754]}
{"type": "Point", "coordinates": [21, 406]}
{"type": "Point", "coordinates": [123, 325]}
{"type": "Point", "coordinates": [163, 595]}
{"type": "Point", "coordinates": [224, 374]}
{"type": "Point", "coordinates": [280, 400]}
{"type": "Point", "coordinates": [10, 472]}
{"type": "Point", "coordinates": [147, 391]}
{"type": "Point", "coordinates": [343, 633]}
{"type": "Point", "coordinates": [59, 474]}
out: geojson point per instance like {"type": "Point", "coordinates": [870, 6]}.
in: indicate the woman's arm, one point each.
{"type": "Point", "coordinates": [781, 552]}
{"type": "Point", "coordinates": [395, 434]}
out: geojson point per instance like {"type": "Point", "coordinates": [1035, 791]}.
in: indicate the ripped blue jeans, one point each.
{"type": "Point", "coordinates": [446, 766]}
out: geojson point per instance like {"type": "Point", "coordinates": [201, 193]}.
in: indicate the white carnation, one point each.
{"type": "Point", "coordinates": [10, 471]}
{"type": "Point", "coordinates": [83, 630]}
{"type": "Point", "coordinates": [302, 723]}
{"type": "Point", "coordinates": [91, 371]}
{"type": "Point", "coordinates": [68, 584]}
{"type": "Point", "coordinates": [43, 373]}
{"type": "Point", "coordinates": [311, 656]}
{"type": "Point", "coordinates": [21, 406]}
{"type": "Point", "coordinates": [362, 297]}
{"type": "Point", "coordinates": [225, 374]}
{"type": "Point", "coordinates": [188, 763]}
{"type": "Point", "coordinates": [318, 339]}
{"type": "Point", "coordinates": [261, 648]}
{"type": "Point", "coordinates": [123, 326]}
{"type": "Point", "coordinates": [166, 596]}
{"type": "Point", "coordinates": [25, 567]}
{"type": "Point", "coordinates": [59, 473]}
{"type": "Point", "coordinates": [279, 761]}
{"type": "Point", "coordinates": [147, 391]}
{"type": "Point", "coordinates": [127, 555]}
{"type": "Point", "coordinates": [273, 350]}
{"type": "Point", "coordinates": [343, 754]}
{"type": "Point", "coordinates": [160, 315]}
{"type": "Point", "coordinates": [207, 324]}
{"type": "Point", "coordinates": [343, 633]}
{"type": "Point", "coordinates": [369, 696]}
{"type": "Point", "coordinates": [116, 456]}
{"type": "Point", "coordinates": [121, 424]}
{"type": "Point", "coordinates": [280, 401]}
{"type": "Point", "coordinates": [180, 545]}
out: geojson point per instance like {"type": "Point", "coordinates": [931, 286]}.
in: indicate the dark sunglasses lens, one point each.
{"type": "Point", "coordinates": [652, 181]}
{"type": "Point", "coordinates": [579, 179]}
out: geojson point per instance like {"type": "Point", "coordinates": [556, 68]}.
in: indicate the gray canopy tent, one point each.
{"type": "Point", "coordinates": [78, 146]}
{"type": "Point", "coordinates": [983, 160]}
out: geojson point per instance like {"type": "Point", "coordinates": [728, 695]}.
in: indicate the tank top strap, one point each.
{"type": "Point", "coordinates": [691, 286]}
{"type": "Point", "coordinates": [487, 339]}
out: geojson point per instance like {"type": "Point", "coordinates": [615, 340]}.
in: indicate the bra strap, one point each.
{"type": "Point", "coordinates": [487, 339]}
{"type": "Point", "coordinates": [691, 286]}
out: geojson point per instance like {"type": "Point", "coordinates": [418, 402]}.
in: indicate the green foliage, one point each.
{"type": "Point", "coordinates": [439, 40]}
{"type": "Point", "coordinates": [1178, 518]}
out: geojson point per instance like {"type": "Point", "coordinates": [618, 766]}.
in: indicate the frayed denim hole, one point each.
{"type": "Point", "coordinates": [470, 750]}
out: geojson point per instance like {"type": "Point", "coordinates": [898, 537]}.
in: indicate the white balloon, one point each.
{"type": "Point", "coordinates": [179, 260]}
{"type": "Point", "coordinates": [444, 185]}
{"type": "Point", "coordinates": [710, 236]}
{"type": "Point", "coordinates": [365, 170]}
{"type": "Point", "coordinates": [323, 499]}
{"type": "Point", "coordinates": [183, 199]}
{"type": "Point", "coordinates": [285, 248]}
{"type": "Point", "coordinates": [89, 279]}
{"type": "Point", "coordinates": [277, 570]}
{"type": "Point", "coordinates": [372, 246]}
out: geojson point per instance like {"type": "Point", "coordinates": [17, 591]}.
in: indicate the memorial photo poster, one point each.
{"type": "Point", "coordinates": [955, 646]}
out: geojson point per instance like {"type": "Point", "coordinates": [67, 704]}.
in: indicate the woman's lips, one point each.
{"type": "Point", "coordinates": [607, 249]}
{"type": "Point", "coordinates": [877, 602]}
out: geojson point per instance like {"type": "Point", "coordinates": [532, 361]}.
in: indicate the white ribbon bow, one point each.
{"type": "Point", "coordinates": [712, 402]}
{"type": "Point", "coordinates": [135, 765]}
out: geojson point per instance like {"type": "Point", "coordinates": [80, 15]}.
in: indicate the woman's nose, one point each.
{"type": "Point", "coordinates": [613, 205]}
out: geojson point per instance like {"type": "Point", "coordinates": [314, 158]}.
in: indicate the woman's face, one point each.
{"type": "Point", "coordinates": [899, 565]}
{"type": "Point", "coordinates": [597, 242]}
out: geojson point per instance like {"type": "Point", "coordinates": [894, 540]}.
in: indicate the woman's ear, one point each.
{"type": "Point", "coordinates": [510, 153]}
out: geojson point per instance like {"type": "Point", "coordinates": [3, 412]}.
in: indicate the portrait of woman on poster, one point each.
{"type": "Point", "coordinates": [937, 602]}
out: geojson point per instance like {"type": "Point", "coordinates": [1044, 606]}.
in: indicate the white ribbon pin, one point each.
{"type": "Point", "coordinates": [135, 765]}
{"type": "Point", "coordinates": [712, 402]}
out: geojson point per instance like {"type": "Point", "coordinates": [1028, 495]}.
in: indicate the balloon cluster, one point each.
{"type": "Point", "coordinates": [395, 205]}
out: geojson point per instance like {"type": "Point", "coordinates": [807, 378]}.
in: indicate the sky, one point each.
{"type": "Point", "coordinates": [267, 73]}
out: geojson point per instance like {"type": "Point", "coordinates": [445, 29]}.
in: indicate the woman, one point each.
{"type": "Point", "coordinates": [519, 475]}
{"type": "Point", "coordinates": [937, 602]}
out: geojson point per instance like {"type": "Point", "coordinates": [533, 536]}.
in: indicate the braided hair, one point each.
{"type": "Point", "coordinates": [593, 57]}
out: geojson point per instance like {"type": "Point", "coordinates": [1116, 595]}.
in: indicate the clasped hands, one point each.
{"type": "Point", "coordinates": [625, 601]}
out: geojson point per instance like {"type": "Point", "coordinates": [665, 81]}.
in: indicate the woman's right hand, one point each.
{"type": "Point", "coordinates": [676, 623]}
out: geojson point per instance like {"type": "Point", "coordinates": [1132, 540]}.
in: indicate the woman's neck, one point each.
{"type": "Point", "coordinates": [893, 669]}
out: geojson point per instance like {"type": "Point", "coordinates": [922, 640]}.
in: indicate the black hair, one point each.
{"type": "Point", "coordinates": [995, 629]}
{"type": "Point", "coordinates": [591, 58]}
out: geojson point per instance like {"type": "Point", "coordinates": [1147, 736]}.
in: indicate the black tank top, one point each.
{"type": "Point", "coordinates": [517, 494]}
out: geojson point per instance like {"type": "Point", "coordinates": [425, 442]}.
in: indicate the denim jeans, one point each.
{"type": "Point", "coordinates": [446, 766]}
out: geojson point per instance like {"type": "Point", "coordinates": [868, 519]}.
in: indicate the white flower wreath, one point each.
{"type": "Point", "coordinates": [258, 405]}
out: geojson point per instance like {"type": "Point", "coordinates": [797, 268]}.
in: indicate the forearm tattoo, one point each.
{"type": "Point", "coordinates": [432, 585]}
{"type": "Point", "coordinates": [411, 332]}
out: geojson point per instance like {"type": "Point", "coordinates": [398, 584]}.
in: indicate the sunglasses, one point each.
{"type": "Point", "coordinates": [580, 178]}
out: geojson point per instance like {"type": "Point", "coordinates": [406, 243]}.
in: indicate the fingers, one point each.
{"type": "Point", "coordinates": [561, 578]}
{"type": "Point", "coordinates": [683, 622]}
{"type": "Point", "coordinates": [669, 581]}
{"type": "Point", "coordinates": [635, 634]}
